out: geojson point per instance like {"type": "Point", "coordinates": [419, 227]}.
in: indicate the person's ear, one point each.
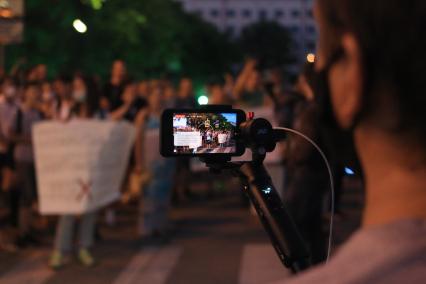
{"type": "Point", "coordinates": [346, 82]}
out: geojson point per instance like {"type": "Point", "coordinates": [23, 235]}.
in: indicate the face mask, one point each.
{"type": "Point", "coordinates": [79, 96]}
{"type": "Point", "coordinates": [339, 142]}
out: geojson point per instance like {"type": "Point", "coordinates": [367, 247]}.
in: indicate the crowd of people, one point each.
{"type": "Point", "coordinates": [26, 100]}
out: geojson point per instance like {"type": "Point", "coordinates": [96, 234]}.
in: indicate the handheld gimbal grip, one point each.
{"type": "Point", "coordinates": [280, 227]}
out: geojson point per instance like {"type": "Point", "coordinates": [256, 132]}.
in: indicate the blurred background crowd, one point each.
{"type": "Point", "coordinates": [128, 61]}
{"type": "Point", "coordinates": [29, 96]}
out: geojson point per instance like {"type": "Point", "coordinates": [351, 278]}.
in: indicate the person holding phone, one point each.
{"type": "Point", "coordinates": [371, 83]}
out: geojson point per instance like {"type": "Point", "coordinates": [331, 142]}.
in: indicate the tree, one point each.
{"type": "Point", "coordinates": [268, 42]}
{"type": "Point", "coordinates": [152, 36]}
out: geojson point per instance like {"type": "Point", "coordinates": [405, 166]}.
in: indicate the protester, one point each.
{"type": "Point", "coordinates": [62, 88]}
{"type": "Point", "coordinates": [143, 90]}
{"type": "Point", "coordinates": [307, 182]}
{"type": "Point", "coordinates": [114, 88]}
{"type": "Point", "coordinates": [8, 109]}
{"type": "Point", "coordinates": [129, 104]}
{"type": "Point", "coordinates": [48, 100]}
{"type": "Point", "coordinates": [185, 96]}
{"type": "Point", "coordinates": [217, 95]}
{"type": "Point", "coordinates": [40, 71]}
{"type": "Point", "coordinates": [185, 100]}
{"type": "Point", "coordinates": [25, 117]}
{"type": "Point", "coordinates": [156, 196]}
{"type": "Point", "coordinates": [248, 90]}
{"type": "Point", "coordinates": [9, 195]}
{"type": "Point", "coordinates": [169, 96]}
{"type": "Point", "coordinates": [86, 106]}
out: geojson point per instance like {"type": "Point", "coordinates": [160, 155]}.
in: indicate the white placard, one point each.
{"type": "Point", "coordinates": [80, 165]}
{"type": "Point", "coordinates": [180, 122]}
{"type": "Point", "coordinates": [191, 139]}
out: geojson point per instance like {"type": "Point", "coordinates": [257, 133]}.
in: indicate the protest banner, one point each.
{"type": "Point", "coordinates": [80, 165]}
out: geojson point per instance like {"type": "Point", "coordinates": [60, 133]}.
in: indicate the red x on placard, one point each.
{"type": "Point", "coordinates": [86, 188]}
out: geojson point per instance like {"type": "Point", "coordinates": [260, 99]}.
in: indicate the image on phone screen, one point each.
{"type": "Point", "coordinates": [204, 133]}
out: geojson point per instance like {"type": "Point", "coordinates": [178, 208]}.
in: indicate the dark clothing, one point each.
{"type": "Point", "coordinates": [288, 107]}
{"type": "Point", "coordinates": [6, 159]}
{"type": "Point", "coordinates": [113, 95]}
{"type": "Point", "coordinates": [26, 177]}
{"type": "Point", "coordinates": [252, 99]}
{"type": "Point", "coordinates": [304, 198]}
{"type": "Point", "coordinates": [188, 102]}
{"type": "Point", "coordinates": [308, 182]}
{"type": "Point", "coordinates": [136, 106]}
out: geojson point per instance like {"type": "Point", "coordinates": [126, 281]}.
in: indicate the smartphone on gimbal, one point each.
{"type": "Point", "coordinates": [208, 132]}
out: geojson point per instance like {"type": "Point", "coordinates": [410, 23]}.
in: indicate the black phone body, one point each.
{"type": "Point", "coordinates": [207, 132]}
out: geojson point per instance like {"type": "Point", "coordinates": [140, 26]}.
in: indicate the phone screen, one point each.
{"type": "Point", "coordinates": [204, 133]}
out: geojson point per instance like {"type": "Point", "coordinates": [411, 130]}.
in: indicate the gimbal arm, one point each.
{"type": "Point", "coordinates": [261, 138]}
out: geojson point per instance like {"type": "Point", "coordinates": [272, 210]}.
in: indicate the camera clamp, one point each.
{"type": "Point", "coordinates": [259, 135]}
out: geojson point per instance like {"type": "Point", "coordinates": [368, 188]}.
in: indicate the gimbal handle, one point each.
{"type": "Point", "coordinates": [277, 222]}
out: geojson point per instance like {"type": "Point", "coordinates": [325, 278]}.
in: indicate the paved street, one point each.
{"type": "Point", "coordinates": [215, 240]}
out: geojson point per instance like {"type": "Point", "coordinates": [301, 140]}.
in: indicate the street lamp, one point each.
{"type": "Point", "coordinates": [310, 58]}
{"type": "Point", "coordinates": [79, 26]}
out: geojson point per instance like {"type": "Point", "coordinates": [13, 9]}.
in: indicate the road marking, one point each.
{"type": "Point", "coordinates": [32, 270]}
{"type": "Point", "coordinates": [150, 265]}
{"type": "Point", "coordinates": [260, 264]}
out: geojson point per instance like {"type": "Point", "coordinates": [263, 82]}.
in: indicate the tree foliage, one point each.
{"type": "Point", "coordinates": [268, 42]}
{"type": "Point", "coordinates": [150, 35]}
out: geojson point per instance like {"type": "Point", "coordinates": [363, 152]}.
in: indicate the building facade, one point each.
{"type": "Point", "coordinates": [233, 15]}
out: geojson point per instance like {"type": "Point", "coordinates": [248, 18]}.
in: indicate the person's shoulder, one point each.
{"type": "Point", "coordinates": [391, 253]}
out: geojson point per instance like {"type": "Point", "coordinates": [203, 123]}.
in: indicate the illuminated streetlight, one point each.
{"type": "Point", "coordinates": [203, 100]}
{"type": "Point", "coordinates": [79, 26]}
{"type": "Point", "coordinates": [310, 58]}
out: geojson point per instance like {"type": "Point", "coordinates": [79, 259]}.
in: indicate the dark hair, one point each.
{"type": "Point", "coordinates": [32, 84]}
{"type": "Point", "coordinates": [389, 33]}
{"type": "Point", "coordinates": [64, 78]}
{"type": "Point", "coordinates": [93, 94]}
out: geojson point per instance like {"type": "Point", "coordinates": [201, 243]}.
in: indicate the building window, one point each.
{"type": "Point", "coordinates": [309, 14]}
{"type": "Point", "coordinates": [295, 13]}
{"type": "Point", "coordinates": [263, 15]}
{"type": "Point", "coordinates": [230, 13]}
{"type": "Point", "coordinates": [279, 14]}
{"type": "Point", "coordinates": [246, 13]}
{"type": "Point", "coordinates": [214, 13]}
{"type": "Point", "coordinates": [294, 29]}
{"type": "Point", "coordinates": [310, 29]}
{"type": "Point", "coordinates": [311, 45]}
